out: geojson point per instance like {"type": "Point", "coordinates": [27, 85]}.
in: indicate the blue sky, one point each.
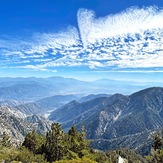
{"type": "Point", "coordinates": [83, 39]}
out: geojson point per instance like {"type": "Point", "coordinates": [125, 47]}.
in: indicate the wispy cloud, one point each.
{"type": "Point", "coordinates": [131, 21]}
{"type": "Point", "coordinates": [130, 39]}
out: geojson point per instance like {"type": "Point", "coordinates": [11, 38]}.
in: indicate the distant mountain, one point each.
{"type": "Point", "coordinates": [45, 105]}
{"type": "Point", "coordinates": [17, 125]}
{"type": "Point", "coordinates": [117, 118]}
{"type": "Point", "coordinates": [92, 96]}
{"type": "Point", "coordinates": [53, 102]}
{"type": "Point", "coordinates": [22, 92]}
{"type": "Point", "coordinates": [32, 89]}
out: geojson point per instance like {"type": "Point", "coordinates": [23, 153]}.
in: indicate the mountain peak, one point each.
{"type": "Point", "coordinates": [151, 90]}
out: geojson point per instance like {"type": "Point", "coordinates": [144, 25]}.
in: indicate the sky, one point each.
{"type": "Point", "coordinates": [82, 39]}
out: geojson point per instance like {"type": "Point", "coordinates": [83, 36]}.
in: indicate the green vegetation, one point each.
{"type": "Point", "coordinates": [72, 147]}
{"type": "Point", "coordinates": [56, 146]}
{"type": "Point", "coordinates": [34, 142]}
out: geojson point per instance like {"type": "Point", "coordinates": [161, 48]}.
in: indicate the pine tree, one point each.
{"type": "Point", "coordinates": [34, 142]}
{"type": "Point", "coordinates": [73, 139]}
{"type": "Point", "coordinates": [55, 146]}
{"type": "Point", "coordinates": [77, 141]}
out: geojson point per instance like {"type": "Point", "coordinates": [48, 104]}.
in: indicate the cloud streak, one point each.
{"type": "Point", "coordinates": [130, 39]}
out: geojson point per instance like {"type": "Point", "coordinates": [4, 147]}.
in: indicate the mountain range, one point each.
{"type": "Point", "coordinates": [32, 89]}
{"type": "Point", "coordinates": [111, 120]}
{"type": "Point", "coordinates": [119, 120]}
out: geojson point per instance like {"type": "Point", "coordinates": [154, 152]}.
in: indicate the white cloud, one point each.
{"type": "Point", "coordinates": [130, 21]}
{"type": "Point", "coordinates": [130, 39]}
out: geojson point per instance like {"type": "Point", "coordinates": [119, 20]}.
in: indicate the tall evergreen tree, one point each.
{"type": "Point", "coordinates": [77, 141]}
{"type": "Point", "coordinates": [55, 146]}
{"type": "Point", "coordinates": [34, 142]}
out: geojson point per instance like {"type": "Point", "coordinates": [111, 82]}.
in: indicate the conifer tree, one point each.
{"type": "Point", "coordinates": [34, 142]}
{"type": "Point", "coordinates": [78, 141]}
{"type": "Point", "coordinates": [55, 147]}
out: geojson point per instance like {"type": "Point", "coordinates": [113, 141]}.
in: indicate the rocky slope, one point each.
{"type": "Point", "coordinates": [17, 124]}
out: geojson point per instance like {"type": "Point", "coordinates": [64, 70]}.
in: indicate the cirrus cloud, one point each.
{"type": "Point", "coordinates": [130, 39]}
